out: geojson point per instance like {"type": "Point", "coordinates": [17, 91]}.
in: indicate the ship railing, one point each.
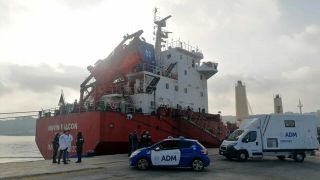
{"type": "Point", "coordinates": [145, 66]}
{"type": "Point", "coordinates": [50, 112]}
{"type": "Point", "coordinates": [184, 46]}
{"type": "Point", "coordinates": [155, 69]}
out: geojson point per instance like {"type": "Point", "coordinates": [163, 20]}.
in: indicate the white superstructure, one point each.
{"type": "Point", "coordinates": [177, 79]}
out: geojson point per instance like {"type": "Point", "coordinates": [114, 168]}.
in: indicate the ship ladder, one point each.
{"type": "Point", "coordinates": [195, 122]}
{"type": "Point", "coordinates": [152, 85]}
{"type": "Point", "coordinates": [169, 69]}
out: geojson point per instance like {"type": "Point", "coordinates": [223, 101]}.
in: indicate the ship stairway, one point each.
{"type": "Point", "coordinates": [152, 85]}
{"type": "Point", "coordinates": [169, 69]}
{"type": "Point", "coordinates": [196, 120]}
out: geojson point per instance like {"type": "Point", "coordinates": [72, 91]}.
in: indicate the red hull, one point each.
{"type": "Point", "coordinates": [107, 132]}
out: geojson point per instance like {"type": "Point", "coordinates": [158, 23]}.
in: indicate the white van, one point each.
{"type": "Point", "coordinates": [284, 136]}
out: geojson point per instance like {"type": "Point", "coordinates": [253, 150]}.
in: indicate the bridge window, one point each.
{"type": "Point", "coordinates": [200, 77]}
{"type": "Point", "coordinates": [176, 88]}
{"type": "Point", "coordinates": [185, 72]}
{"type": "Point", "coordinates": [167, 85]}
{"type": "Point", "coordinates": [289, 123]}
{"type": "Point", "coordinates": [185, 90]}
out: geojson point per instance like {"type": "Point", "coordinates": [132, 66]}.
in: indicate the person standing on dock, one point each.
{"type": "Point", "coordinates": [69, 140]}
{"type": "Point", "coordinates": [55, 147]}
{"type": "Point", "coordinates": [148, 139]}
{"type": "Point", "coordinates": [63, 146]}
{"type": "Point", "coordinates": [79, 143]}
{"type": "Point", "coordinates": [145, 139]}
{"type": "Point", "coordinates": [133, 142]}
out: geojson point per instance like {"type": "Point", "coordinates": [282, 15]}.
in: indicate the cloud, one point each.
{"type": "Point", "coordinates": [43, 78]}
{"type": "Point", "coordinates": [32, 87]}
{"type": "Point", "coordinates": [3, 89]}
{"type": "Point", "coordinates": [300, 83]}
{"type": "Point", "coordinates": [81, 3]}
{"type": "Point", "coordinates": [272, 46]}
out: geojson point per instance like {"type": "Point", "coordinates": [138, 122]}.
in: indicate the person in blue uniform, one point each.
{"type": "Point", "coordinates": [79, 143]}
{"type": "Point", "coordinates": [133, 142]}
{"type": "Point", "coordinates": [148, 139]}
{"type": "Point", "coordinates": [55, 147]}
{"type": "Point", "coordinates": [145, 140]}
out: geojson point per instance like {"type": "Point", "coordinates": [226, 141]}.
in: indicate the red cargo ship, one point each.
{"type": "Point", "coordinates": [161, 89]}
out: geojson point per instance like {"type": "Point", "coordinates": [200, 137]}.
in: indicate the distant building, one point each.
{"type": "Point", "coordinates": [278, 108]}
{"type": "Point", "coordinates": [241, 102]}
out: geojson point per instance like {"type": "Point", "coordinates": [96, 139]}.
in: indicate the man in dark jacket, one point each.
{"type": "Point", "coordinates": [133, 142]}
{"type": "Point", "coordinates": [148, 139]}
{"type": "Point", "coordinates": [145, 140]}
{"type": "Point", "coordinates": [55, 147]}
{"type": "Point", "coordinates": [79, 143]}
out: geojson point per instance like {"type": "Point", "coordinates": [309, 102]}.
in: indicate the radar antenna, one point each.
{"type": "Point", "coordinates": [160, 34]}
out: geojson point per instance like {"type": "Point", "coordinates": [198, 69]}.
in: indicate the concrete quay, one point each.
{"type": "Point", "coordinates": [116, 167]}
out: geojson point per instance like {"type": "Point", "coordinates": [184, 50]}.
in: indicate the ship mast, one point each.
{"type": "Point", "coordinates": [160, 35]}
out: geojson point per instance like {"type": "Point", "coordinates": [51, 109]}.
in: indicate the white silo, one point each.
{"type": "Point", "coordinates": [278, 108]}
{"type": "Point", "coordinates": [241, 102]}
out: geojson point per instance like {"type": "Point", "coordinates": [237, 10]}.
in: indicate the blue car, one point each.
{"type": "Point", "coordinates": [173, 152]}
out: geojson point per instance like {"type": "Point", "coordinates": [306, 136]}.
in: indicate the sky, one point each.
{"type": "Point", "coordinates": [273, 46]}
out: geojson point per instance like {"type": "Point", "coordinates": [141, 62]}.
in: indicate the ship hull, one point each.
{"type": "Point", "coordinates": [107, 132]}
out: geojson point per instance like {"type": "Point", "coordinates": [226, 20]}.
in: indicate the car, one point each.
{"type": "Point", "coordinates": [171, 152]}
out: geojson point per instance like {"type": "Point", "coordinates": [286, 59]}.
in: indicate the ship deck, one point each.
{"type": "Point", "coordinates": [116, 167]}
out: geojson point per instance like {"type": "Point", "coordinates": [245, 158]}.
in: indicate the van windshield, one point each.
{"type": "Point", "coordinates": [235, 135]}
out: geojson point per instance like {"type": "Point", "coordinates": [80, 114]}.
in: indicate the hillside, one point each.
{"type": "Point", "coordinates": [18, 127]}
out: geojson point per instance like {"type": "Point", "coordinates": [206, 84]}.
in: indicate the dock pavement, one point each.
{"type": "Point", "coordinates": [116, 167]}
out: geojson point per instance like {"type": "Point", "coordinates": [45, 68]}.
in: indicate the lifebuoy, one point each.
{"type": "Point", "coordinates": [113, 106]}
{"type": "Point", "coordinates": [129, 116]}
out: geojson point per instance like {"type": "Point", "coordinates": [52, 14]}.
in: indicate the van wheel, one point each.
{"type": "Point", "coordinates": [197, 165]}
{"type": "Point", "coordinates": [242, 156]}
{"type": "Point", "coordinates": [282, 158]}
{"type": "Point", "coordinates": [299, 157]}
{"type": "Point", "coordinates": [143, 164]}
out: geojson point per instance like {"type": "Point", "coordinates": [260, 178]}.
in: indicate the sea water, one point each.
{"type": "Point", "coordinates": [18, 149]}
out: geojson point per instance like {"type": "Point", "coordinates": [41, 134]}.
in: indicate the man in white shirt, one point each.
{"type": "Point", "coordinates": [69, 140]}
{"type": "Point", "coordinates": [63, 146]}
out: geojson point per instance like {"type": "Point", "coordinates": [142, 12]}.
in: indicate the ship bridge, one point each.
{"type": "Point", "coordinates": [207, 69]}
{"type": "Point", "coordinates": [185, 48]}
